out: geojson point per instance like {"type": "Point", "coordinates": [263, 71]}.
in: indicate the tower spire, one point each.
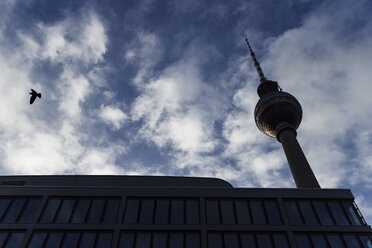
{"type": "Point", "coordinates": [256, 63]}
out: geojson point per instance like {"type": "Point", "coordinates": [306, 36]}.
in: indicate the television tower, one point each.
{"type": "Point", "coordinates": [278, 114]}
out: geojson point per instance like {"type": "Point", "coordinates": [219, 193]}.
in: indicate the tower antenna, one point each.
{"type": "Point", "coordinates": [256, 64]}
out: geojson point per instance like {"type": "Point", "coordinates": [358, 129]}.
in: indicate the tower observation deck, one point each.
{"type": "Point", "coordinates": [278, 114]}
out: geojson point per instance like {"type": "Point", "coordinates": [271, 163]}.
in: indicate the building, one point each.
{"type": "Point", "coordinates": [140, 211]}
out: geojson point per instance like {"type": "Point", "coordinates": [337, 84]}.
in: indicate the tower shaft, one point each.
{"type": "Point", "coordinates": [301, 171]}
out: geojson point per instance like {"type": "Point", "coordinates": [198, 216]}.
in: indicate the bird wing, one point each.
{"type": "Point", "coordinates": [33, 91]}
{"type": "Point", "coordinates": [32, 99]}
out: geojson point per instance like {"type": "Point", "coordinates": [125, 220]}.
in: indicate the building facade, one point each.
{"type": "Point", "coordinates": [140, 211]}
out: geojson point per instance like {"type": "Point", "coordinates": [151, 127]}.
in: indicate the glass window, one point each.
{"type": "Point", "coordinates": [177, 212]}
{"type": "Point", "coordinates": [147, 211]}
{"type": "Point", "coordinates": [176, 240]}
{"type": "Point", "coordinates": [280, 240]}
{"type": "Point", "coordinates": [272, 212]}
{"type": "Point", "coordinates": [323, 213]}
{"type": "Point", "coordinates": [292, 213]}
{"type": "Point", "coordinates": [192, 240]}
{"type": "Point", "coordinates": [104, 240]}
{"type": "Point", "coordinates": [351, 241]}
{"type": "Point", "coordinates": [364, 239]}
{"type": "Point", "coordinates": [15, 240]}
{"type": "Point", "coordinates": [80, 211]}
{"type": "Point", "coordinates": [227, 212]}
{"type": "Point", "coordinates": [350, 211]}
{"type": "Point", "coordinates": [213, 216]}
{"type": "Point", "coordinates": [159, 240]}
{"type": "Point", "coordinates": [242, 212]}
{"type": "Point", "coordinates": [192, 211]}
{"type": "Point", "coordinates": [95, 212]}
{"type": "Point", "coordinates": [214, 240]}
{"type": "Point", "coordinates": [258, 214]}
{"type": "Point", "coordinates": [264, 241]}
{"type": "Point", "coordinates": [54, 240]}
{"type": "Point", "coordinates": [14, 211]}
{"type": "Point", "coordinates": [162, 210]}
{"type": "Point", "coordinates": [64, 214]}
{"type": "Point", "coordinates": [247, 240]}
{"type": "Point", "coordinates": [318, 241]}
{"type": "Point", "coordinates": [308, 213]}
{"type": "Point", "coordinates": [30, 210]}
{"type": "Point", "coordinates": [143, 240]}
{"type": "Point", "coordinates": [87, 240]}
{"type": "Point", "coordinates": [231, 240]}
{"type": "Point", "coordinates": [338, 213]}
{"type": "Point", "coordinates": [127, 240]}
{"type": "Point", "coordinates": [3, 236]}
{"type": "Point", "coordinates": [131, 212]}
{"type": "Point", "coordinates": [111, 211]}
{"type": "Point", "coordinates": [334, 241]}
{"type": "Point", "coordinates": [71, 240]}
{"type": "Point", "coordinates": [302, 241]}
{"type": "Point", "coordinates": [50, 211]}
{"type": "Point", "coordinates": [37, 240]}
{"type": "Point", "coordinates": [4, 203]}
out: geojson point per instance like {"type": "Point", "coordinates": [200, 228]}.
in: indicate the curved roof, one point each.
{"type": "Point", "coordinates": [116, 181]}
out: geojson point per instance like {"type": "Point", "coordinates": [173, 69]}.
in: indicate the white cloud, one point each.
{"type": "Point", "coordinates": [113, 115]}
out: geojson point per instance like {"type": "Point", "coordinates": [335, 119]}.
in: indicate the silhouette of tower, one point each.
{"type": "Point", "coordinates": [278, 114]}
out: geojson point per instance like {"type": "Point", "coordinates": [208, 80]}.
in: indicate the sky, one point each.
{"type": "Point", "coordinates": [158, 87]}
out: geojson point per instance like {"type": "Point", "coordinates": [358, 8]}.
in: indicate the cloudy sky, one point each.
{"type": "Point", "coordinates": [158, 87]}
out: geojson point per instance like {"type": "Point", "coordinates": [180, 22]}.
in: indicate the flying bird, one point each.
{"type": "Point", "coordinates": [34, 94]}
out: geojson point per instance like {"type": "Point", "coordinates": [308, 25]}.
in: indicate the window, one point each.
{"type": "Point", "coordinates": [365, 241]}
{"type": "Point", "coordinates": [307, 213]}
{"type": "Point", "coordinates": [50, 211]}
{"type": "Point", "coordinates": [159, 239]}
{"type": "Point", "coordinates": [258, 214]}
{"type": "Point", "coordinates": [18, 209]}
{"type": "Point", "coordinates": [302, 241]}
{"type": "Point", "coordinates": [351, 241]}
{"type": "Point", "coordinates": [80, 210]}
{"type": "Point", "coordinates": [14, 240]}
{"type": "Point", "coordinates": [227, 212]}
{"type": "Point", "coordinates": [213, 215]}
{"type": "Point", "coordinates": [231, 240]}
{"type": "Point", "coordinates": [272, 212]}
{"type": "Point", "coordinates": [292, 212]}
{"type": "Point", "coordinates": [192, 211]}
{"type": "Point", "coordinates": [161, 211]}
{"type": "Point", "coordinates": [15, 209]}
{"type": "Point", "coordinates": [177, 211]}
{"type": "Point", "coordinates": [351, 213]}
{"type": "Point", "coordinates": [335, 241]}
{"type": "Point", "coordinates": [318, 241]}
{"type": "Point", "coordinates": [147, 211]}
{"type": "Point", "coordinates": [131, 212]}
{"type": "Point", "coordinates": [247, 240]}
{"type": "Point", "coordinates": [280, 240]}
{"type": "Point", "coordinates": [264, 241]}
{"type": "Point", "coordinates": [66, 211]}
{"type": "Point", "coordinates": [70, 239]}
{"type": "Point", "coordinates": [323, 213]}
{"type": "Point", "coordinates": [338, 213]}
{"type": "Point", "coordinates": [242, 212]}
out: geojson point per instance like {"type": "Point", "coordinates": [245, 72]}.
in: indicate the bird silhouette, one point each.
{"type": "Point", "coordinates": [34, 94]}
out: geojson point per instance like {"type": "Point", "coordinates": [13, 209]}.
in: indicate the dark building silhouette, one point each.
{"type": "Point", "coordinates": [139, 212]}
{"type": "Point", "coordinates": [186, 212]}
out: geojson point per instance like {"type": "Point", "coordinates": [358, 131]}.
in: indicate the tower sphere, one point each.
{"type": "Point", "coordinates": [276, 107]}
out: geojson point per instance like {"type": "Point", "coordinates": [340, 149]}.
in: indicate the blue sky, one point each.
{"type": "Point", "coordinates": [168, 88]}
